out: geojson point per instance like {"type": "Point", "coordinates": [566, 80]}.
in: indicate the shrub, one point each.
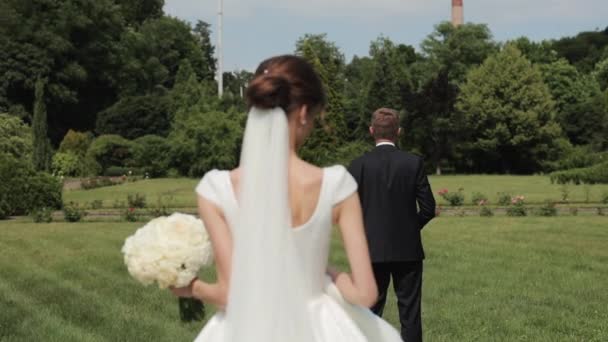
{"type": "Point", "coordinates": [454, 198]}
{"type": "Point", "coordinates": [478, 198]}
{"type": "Point", "coordinates": [96, 204]}
{"type": "Point", "coordinates": [117, 171]}
{"type": "Point", "coordinates": [573, 211]}
{"type": "Point", "coordinates": [43, 190]}
{"type": "Point", "coordinates": [162, 207]}
{"type": "Point", "coordinates": [15, 137]}
{"type": "Point", "coordinates": [136, 201]}
{"type": "Point", "coordinates": [565, 190]}
{"type": "Point", "coordinates": [99, 182]}
{"type": "Point", "coordinates": [152, 154]}
{"type": "Point", "coordinates": [73, 213]}
{"type": "Point", "coordinates": [600, 211]}
{"type": "Point", "coordinates": [130, 214]}
{"type": "Point", "coordinates": [548, 209]}
{"type": "Point", "coordinates": [486, 211]}
{"type": "Point", "coordinates": [596, 174]}
{"type": "Point", "coordinates": [504, 198]}
{"type": "Point", "coordinates": [66, 164]}
{"type": "Point", "coordinates": [517, 207]}
{"type": "Point", "coordinates": [604, 198]}
{"type": "Point", "coordinates": [42, 215]}
{"type": "Point", "coordinates": [76, 143]}
{"type": "Point", "coordinates": [110, 150]}
{"type": "Point", "coordinates": [203, 140]}
{"type": "Point", "coordinates": [580, 157]}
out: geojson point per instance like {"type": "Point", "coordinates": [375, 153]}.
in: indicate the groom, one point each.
{"type": "Point", "coordinates": [391, 183]}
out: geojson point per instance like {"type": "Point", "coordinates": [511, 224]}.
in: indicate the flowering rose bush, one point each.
{"type": "Point", "coordinates": [454, 198]}
{"type": "Point", "coordinates": [517, 207]}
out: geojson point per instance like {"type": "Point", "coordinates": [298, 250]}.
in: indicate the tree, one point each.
{"type": "Point", "coordinates": [202, 140]}
{"type": "Point", "coordinates": [357, 75]}
{"type": "Point", "coordinates": [152, 54]}
{"type": "Point", "coordinates": [330, 130]}
{"type": "Point", "coordinates": [578, 102]}
{"type": "Point", "coordinates": [73, 44]}
{"type": "Point", "coordinates": [390, 82]}
{"type": "Point", "coordinates": [136, 116]}
{"type": "Point", "coordinates": [601, 73]}
{"type": "Point", "coordinates": [448, 54]}
{"type": "Point", "coordinates": [536, 52]}
{"type": "Point", "coordinates": [456, 49]}
{"type": "Point", "coordinates": [42, 146]}
{"type": "Point", "coordinates": [202, 32]}
{"type": "Point", "coordinates": [15, 137]}
{"type": "Point", "coordinates": [138, 11]}
{"type": "Point", "coordinates": [584, 50]}
{"type": "Point", "coordinates": [507, 112]}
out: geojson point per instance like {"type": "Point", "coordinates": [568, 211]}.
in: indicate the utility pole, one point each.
{"type": "Point", "coordinates": [220, 53]}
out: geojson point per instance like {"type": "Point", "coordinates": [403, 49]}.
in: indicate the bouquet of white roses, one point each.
{"type": "Point", "coordinates": [170, 251]}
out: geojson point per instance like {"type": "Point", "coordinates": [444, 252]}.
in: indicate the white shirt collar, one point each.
{"type": "Point", "coordinates": [385, 143]}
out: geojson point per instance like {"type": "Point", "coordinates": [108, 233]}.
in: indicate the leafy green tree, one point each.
{"type": "Point", "coordinates": [601, 73]}
{"type": "Point", "coordinates": [536, 52]}
{"type": "Point", "coordinates": [579, 102]}
{"type": "Point", "coordinates": [330, 129]}
{"type": "Point", "coordinates": [507, 111]}
{"type": "Point", "coordinates": [136, 116]}
{"type": "Point", "coordinates": [110, 150]}
{"type": "Point", "coordinates": [15, 137]}
{"type": "Point", "coordinates": [202, 32]}
{"type": "Point", "coordinates": [76, 142]}
{"type": "Point", "coordinates": [152, 54]}
{"type": "Point", "coordinates": [358, 74]}
{"type": "Point", "coordinates": [449, 53]}
{"type": "Point", "coordinates": [73, 44]}
{"type": "Point", "coordinates": [583, 50]}
{"type": "Point", "coordinates": [152, 154]}
{"type": "Point", "coordinates": [390, 83]}
{"type": "Point", "coordinates": [42, 146]}
{"type": "Point", "coordinates": [203, 140]}
{"type": "Point", "coordinates": [136, 12]}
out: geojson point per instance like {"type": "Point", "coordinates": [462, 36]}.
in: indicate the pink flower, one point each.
{"type": "Point", "coordinates": [482, 202]}
{"type": "Point", "coordinates": [443, 192]}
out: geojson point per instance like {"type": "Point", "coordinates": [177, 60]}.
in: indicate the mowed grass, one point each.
{"type": "Point", "coordinates": [496, 279]}
{"type": "Point", "coordinates": [536, 189]}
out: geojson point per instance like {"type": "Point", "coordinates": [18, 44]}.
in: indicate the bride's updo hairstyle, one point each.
{"type": "Point", "coordinates": [288, 82]}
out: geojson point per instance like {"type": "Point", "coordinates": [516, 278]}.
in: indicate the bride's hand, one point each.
{"type": "Point", "coordinates": [184, 292]}
{"type": "Point", "coordinates": [333, 273]}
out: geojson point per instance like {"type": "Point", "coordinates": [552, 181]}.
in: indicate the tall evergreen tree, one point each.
{"type": "Point", "coordinates": [42, 146]}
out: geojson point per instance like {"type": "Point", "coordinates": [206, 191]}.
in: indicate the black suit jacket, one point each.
{"type": "Point", "coordinates": [391, 183]}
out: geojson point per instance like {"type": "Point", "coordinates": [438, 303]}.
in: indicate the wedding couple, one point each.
{"type": "Point", "coordinates": [270, 222]}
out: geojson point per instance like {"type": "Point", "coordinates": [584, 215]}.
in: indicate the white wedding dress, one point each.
{"type": "Point", "coordinates": [330, 317]}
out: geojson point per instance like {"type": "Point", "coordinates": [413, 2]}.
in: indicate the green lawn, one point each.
{"type": "Point", "coordinates": [537, 189]}
{"type": "Point", "coordinates": [496, 279]}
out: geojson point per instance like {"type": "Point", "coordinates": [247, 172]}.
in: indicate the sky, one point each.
{"type": "Point", "coordinates": [257, 29]}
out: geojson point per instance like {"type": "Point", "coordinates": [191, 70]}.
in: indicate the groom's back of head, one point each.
{"type": "Point", "coordinates": [385, 124]}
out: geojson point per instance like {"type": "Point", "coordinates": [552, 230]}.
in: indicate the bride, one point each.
{"type": "Point", "coordinates": [270, 222]}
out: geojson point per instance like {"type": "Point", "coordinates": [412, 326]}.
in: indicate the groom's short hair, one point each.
{"type": "Point", "coordinates": [385, 122]}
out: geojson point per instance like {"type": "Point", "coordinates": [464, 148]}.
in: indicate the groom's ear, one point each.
{"type": "Point", "coordinates": [371, 131]}
{"type": "Point", "coordinates": [400, 132]}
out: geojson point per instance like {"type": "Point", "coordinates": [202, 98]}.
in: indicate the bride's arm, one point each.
{"type": "Point", "coordinates": [219, 234]}
{"type": "Point", "coordinates": [359, 287]}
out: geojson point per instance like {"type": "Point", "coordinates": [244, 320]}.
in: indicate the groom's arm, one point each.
{"type": "Point", "coordinates": [424, 196]}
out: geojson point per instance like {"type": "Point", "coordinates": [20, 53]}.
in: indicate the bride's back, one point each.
{"type": "Point", "coordinates": [304, 184]}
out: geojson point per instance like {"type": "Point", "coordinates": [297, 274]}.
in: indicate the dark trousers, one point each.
{"type": "Point", "coordinates": [407, 282]}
